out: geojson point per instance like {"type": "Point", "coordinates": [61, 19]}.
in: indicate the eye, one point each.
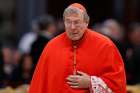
{"type": "Point", "coordinates": [77, 22]}
{"type": "Point", "coordinates": [67, 21]}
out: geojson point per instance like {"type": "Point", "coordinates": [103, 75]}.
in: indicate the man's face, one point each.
{"type": "Point", "coordinates": [75, 26]}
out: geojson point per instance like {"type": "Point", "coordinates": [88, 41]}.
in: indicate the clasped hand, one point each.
{"type": "Point", "coordinates": [80, 80]}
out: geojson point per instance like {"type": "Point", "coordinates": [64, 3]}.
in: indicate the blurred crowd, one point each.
{"type": "Point", "coordinates": [17, 64]}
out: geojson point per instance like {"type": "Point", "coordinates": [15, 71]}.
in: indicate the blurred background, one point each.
{"type": "Point", "coordinates": [27, 25]}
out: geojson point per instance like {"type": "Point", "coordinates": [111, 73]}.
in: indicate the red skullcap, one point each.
{"type": "Point", "coordinates": [79, 6]}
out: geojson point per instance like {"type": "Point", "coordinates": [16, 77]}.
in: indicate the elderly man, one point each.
{"type": "Point", "coordinates": [79, 60]}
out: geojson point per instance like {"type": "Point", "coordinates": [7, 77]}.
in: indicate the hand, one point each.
{"type": "Point", "coordinates": [81, 80]}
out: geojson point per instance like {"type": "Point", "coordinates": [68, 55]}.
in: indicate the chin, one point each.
{"type": "Point", "coordinates": [75, 38]}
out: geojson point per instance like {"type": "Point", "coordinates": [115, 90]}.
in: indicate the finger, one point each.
{"type": "Point", "coordinates": [73, 83]}
{"type": "Point", "coordinates": [81, 73]}
{"type": "Point", "coordinates": [74, 86]}
{"type": "Point", "coordinates": [70, 79]}
{"type": "Point", "coordinates": [73, 77]}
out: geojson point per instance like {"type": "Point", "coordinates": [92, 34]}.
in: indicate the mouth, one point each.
{"type": "Point", "coordinates": [74, 34]}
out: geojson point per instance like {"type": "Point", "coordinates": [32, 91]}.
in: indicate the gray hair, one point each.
{"type": "Point", "coordinates": [73, 10]}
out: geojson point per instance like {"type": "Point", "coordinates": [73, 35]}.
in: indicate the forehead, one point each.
{"type": "Point", "coordinates": [72, 11]}
{"type": "Point", "coordinates": [74, 16]}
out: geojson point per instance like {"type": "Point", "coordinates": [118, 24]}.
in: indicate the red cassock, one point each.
{"type": "Point", "coordinates": [96, 55]}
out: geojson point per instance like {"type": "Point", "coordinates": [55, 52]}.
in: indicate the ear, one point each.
{"type": "Point", "coordinates": [86, 25]}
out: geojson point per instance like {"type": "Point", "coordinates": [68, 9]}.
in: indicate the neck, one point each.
{"type": "Point", "coordinates": [75, 42]}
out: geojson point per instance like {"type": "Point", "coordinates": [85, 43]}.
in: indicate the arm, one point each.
{"type": "Point", "coordinates": [98, 85]}
{"type": "Point", "coordinates": [39, 77]}
{"type": "Point", "coordinates": [93, 83]}
{"type": "Point", "coordinates": [111, 79]}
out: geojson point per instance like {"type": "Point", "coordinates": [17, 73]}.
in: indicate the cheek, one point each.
{"type": "Point", "coordinates": [82, 29]}
{"type": "Point", "coordinates": [68, 32]}
{"type": "Point", "coordinates": [83, 26]}
{"type": "Point", "coordinates": [81, 33]}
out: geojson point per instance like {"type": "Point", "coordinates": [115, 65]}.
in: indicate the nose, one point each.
{"type": "Point", "coordinates": [72, 26]}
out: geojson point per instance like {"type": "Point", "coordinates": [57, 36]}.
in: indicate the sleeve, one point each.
{"type": "Point", "coordinates": [112, 78]}
{"type": "Point", "coordinates": [99, 86]}
{"type": "Point", "coordinates": [38, 83]}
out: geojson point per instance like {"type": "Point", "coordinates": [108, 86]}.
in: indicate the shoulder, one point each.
{"type": "Point", "coordinates": [100, 39]}
{"type": "Point", "coordinates": [56, 41]}
{"type": "Point", "coordinates": [104, 43]}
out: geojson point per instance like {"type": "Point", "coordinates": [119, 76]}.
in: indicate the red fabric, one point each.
{"type": "Point", "coordinates": [96, 55]}
{"type": "Point", "coordinates": [79, 6]}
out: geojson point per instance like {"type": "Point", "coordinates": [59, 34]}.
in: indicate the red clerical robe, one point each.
{"type": "Point", "coordinates": [95, 55]}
